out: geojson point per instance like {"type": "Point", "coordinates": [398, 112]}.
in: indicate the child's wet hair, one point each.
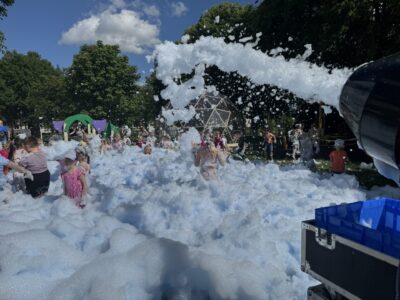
{"type": "Point", "coordinates": [18, 143]}
{"type": "Point", "coordinates": [80, 156]}
{"type": "Point", "coordinates": [31, 142]}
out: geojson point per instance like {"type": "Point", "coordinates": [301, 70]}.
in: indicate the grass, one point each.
{"type": "Point", "coordinates": [366, 177]}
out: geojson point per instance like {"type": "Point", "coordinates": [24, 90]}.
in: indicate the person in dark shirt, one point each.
{"type": "Point", "coordinates": [242, 145]}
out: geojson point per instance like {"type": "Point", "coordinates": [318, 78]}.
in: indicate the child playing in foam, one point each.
{"type": "Point", "coordinates": [207, 158]}
{"type": "Point", "coordinates": [148, 149]}
{"type": "Point", "coordinates": [74, 179]}
{"type": "Point", "coordinates": [36, 162]}
{"type": "Point", "coordinates": [338, 158]}
{"type": "Point", "coordinates": [18, 154]}
{"type": "Point", "coordinates": [83, 163]}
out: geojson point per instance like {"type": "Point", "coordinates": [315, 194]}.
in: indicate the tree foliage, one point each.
{"type": "Point", "coordinates": [227, 20]}
{"type": "Point", "coordinates": [147, 102]}
{"type": "Point", "coordinates": [31, 89]}
{"type": "Point", "coordinates": [3, 7]}
{"type": "Point", "coordinates": [342, 33]}
{"type": "Point", "coordinates": [102, 83]}
{"type": "Point", "coordinates": [257, 103]}
{"type": "Point", "coordinates": [4, 4]}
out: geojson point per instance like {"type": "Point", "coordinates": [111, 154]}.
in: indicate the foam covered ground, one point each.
{"type": "Point", "coordinates": [153, 228]}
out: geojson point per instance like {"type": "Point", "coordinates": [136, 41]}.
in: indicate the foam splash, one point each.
{"type": "Point", "coordinates": [308, 81]}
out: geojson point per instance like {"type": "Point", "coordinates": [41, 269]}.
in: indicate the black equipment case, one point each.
{"type": "Point", "coordinates": [345, 268]}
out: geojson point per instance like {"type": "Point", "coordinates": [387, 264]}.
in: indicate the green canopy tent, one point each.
{"type": "Point", "coordinates": [110, 130]}
{"type": "Point", "coordinates": [84, 119]}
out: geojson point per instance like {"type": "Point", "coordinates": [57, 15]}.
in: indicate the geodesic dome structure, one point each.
{"type": "Point", "coordinates": [215, 112]}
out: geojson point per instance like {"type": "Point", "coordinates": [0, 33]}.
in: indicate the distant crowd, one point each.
{"type": "Point", "coordinates": [24, 158]}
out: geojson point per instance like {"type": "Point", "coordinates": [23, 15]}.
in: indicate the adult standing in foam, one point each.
{"type": "Point", "coordinates": [294, 136]}
{"type": "Point", "coordinates": [4, 133]}
{"type": "Point", "coordinates": [242, 145]}
{"type": "Point", "coordinates": [269, 141]}
{"type": "Point", "coordinates": [35, 161]}
{"type": "Point", "coordinates": [314, 132]}
{"type": "Point", "coordinates": [307, 150]}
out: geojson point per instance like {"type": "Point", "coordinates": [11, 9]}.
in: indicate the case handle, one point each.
{"type": "Point", "coordinates": [325, 239]}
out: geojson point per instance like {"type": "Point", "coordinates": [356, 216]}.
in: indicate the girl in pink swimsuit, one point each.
{"type": "Point", "coordinates": [74, 182]}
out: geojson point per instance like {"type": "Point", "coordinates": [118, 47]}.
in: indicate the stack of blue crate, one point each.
{"type": "Point", "coordinates": [373, 223]}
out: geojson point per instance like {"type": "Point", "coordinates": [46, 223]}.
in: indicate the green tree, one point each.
{"type": "Point", "coordinates": [30, 89]}
{"type": "Point", "coordinates": [3, 13]}
{"type": "Point", "coordinates": [227, 20]}
{"type": "Point", "coordinates": [50, 100]}
{"type": "Point", "coordinates": [150, 100]}
{"type": "Point", "coordinates": [102, 83]}
{"type": "Point", "coordinates": [343, 33]}
{"type": "Point", "coordinates": [146, 105]}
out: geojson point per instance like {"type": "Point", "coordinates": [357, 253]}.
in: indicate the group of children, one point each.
{"type": "Point", "coordinates": [30, 164]}
{"type": "Point", "coordinates": [118, 143]}
{"type": "Point", "coordinates": [33, 177]}
{"type": "Point", "coordinates": [31, 174]}
{"type": "Point", "coordinates": [306, 144]}
{"type": "Point", "coordinates": [146, 141]}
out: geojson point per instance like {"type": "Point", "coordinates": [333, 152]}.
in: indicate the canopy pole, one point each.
{"type": "Point", "coordinates": [65, 133]}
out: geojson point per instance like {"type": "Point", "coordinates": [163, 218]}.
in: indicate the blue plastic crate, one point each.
{"type": "Point", "coordinates": [373, 223]}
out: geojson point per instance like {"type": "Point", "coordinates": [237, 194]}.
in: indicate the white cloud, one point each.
{"type": "Point", "coordinates": [125, 28]}
{"type": "Point", "coordinates": [151, 11]}
{"type": "Point", "coordinates": [178, 8]}
{"type": "Point", "coordinates": [118, 3]}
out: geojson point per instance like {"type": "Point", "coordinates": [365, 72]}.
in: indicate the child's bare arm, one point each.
{"type": "Point", "coordinates": [221, 158]}
{"type": "Point", "coordinates": [14, 166]}
{"type": "Point", "coordinates": [84, 184]}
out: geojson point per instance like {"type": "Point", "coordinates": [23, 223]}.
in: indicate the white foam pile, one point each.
{"type": "Point", "coordinates": [308, 81]}
{"type": "Point", "coordinates": [153, 228]}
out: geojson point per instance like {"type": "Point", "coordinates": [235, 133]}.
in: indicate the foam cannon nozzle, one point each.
{"type": "Point", "coordinates": [370, 104]}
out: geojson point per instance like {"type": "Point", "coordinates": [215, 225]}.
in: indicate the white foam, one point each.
{"type": "Point", "coordinates": [308, 81]}
{"type": "Point", "coordinates": [155, 227]}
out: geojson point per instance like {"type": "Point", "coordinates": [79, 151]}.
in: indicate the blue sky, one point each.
{"type": "Point", "coordinates": [56, 28]}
